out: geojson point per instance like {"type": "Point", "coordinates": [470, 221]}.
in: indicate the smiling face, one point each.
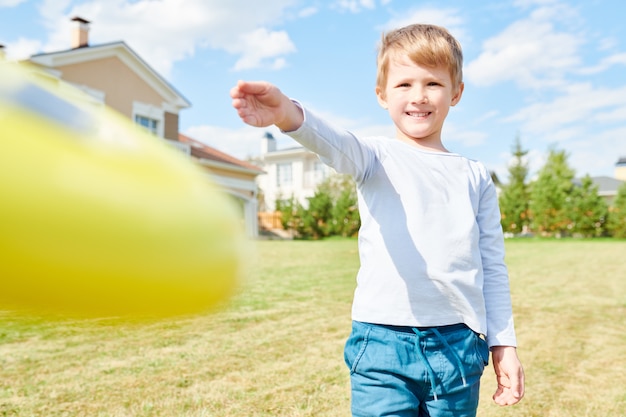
{"type": "Point", "coordinates": [418, 99]}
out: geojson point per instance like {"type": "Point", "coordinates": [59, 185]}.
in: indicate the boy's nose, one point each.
{"type": "Point", "coordinates": [420, 97]}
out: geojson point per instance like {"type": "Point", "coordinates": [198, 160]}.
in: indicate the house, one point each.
{"type": "Point", "coordinates": [293, 172]}
{"type": "Point", "coordinates": [609, 186]}
{"type": "Point", "coordinates": [113, 74]}
{"type": "Point", "coordinates": [235, 176]}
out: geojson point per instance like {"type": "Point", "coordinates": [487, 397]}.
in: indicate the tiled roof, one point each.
{"type": "Point", "coordinates": [606, 185]}
{"type": "Point", "coordinates": [204, 151]}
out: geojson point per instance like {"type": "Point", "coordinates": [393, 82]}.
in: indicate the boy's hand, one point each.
{"type": "Point", "coordinates": [509, 374]}
{"type": "Point", "coordinates": [262, 104]}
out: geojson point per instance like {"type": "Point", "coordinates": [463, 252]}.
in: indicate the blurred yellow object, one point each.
{"type": "Point", "coordinates": [98, 217]}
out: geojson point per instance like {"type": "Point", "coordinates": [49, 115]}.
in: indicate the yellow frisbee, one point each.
{"type": "Point", "coordinates": [98, 217]}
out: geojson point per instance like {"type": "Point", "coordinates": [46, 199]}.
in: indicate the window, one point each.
{"type": "Point", "coordinates": [319, 171]}
{"type": "Point", "coordinates": [283, 174]}
{"type": "Point", "coordinates": [152, 118]}
{"type": "Point", "coordinates": [150, 124]}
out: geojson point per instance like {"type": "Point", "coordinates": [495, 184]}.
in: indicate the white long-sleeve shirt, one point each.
{"type": "Point", "coordinates": [430, 244]}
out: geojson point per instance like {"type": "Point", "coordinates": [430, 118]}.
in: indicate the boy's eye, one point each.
{"type": "Point", "coordinates": [404, 85]}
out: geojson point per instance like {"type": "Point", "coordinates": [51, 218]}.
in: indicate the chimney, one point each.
{"type": "Point", "coordinates": [268, 143]}
{"type": "Point", "coordinates": [80, 32]}
{"type": "Point", "coordinates": [620, 169]}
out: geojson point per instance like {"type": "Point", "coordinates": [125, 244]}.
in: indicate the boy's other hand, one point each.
{"type": "Point", "coordinates": [509, 374]}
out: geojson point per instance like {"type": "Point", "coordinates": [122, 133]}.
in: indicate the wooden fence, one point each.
{"type": "Point", "coordinates": [270, 220]}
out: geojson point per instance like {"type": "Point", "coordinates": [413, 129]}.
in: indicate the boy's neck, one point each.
{"type": "Point", "coordinates": [430, 145]}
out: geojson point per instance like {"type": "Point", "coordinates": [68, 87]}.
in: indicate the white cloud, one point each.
{"type": "Point", "coordinates": [21, 49]}
{"type": "Point", "coordinates": [461, 135]}
{"type": "Point", "coordinates": [166, 31]}
{"type": "Point", "coordinates": [530, 3]}
{"type": "Point", "coordinates": [617, 115]}
{"type": "Point", "coordinates": [355, 6]}
{"type": "Point", "coordinates": [448, 18]}
{"type": "Point", "coordinates": [308, 11]}
{"type": "Point", "coordinates": [530, 52]}
{"type": "Point", "coordinates": [10, 3]}
{"type": "Point", "coordinates": [608, 43]}
{"type": "Point", "coordinates": [541, 54]}
{"type": "Point", "coordinates": [585, 121]}
{"type": "Point", "coordinates": [597, 154]}
{"type": "Point", "coordinates": [537, 158]}
{"type": "Point", "coordinates": [582, 105]}
{"type": "Point", "coordinates": [534, 160]}
{"type": "Point", "coordinates": [534, 52]}
{"type": "Point", "coordinates": [490, 115]}
{"type": "Point", "coordinates": [51, 10]}
{"type": "Point", "coordinates": [606, 63]}
{"type": "Point", "coordinates": [261, 46]}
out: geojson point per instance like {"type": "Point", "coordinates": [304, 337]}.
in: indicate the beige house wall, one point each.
{"type": "Point", "coordinates": [111, 75]}
{"type": "Point", "coordinates": [122, 88]}
{"type": "Point", "coordinates": [170, 130]}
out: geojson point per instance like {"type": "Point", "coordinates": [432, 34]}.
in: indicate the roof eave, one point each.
{"type": "Point", "coordinates": [228, 166]}
{"type": "Point", "coordinates": [126, 54]}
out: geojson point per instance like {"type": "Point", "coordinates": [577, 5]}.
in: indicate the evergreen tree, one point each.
{"type": "Point", "coordinates": [550, 195]}
{"type": "Point", "coordinates": [514, 195]}
{"type": "Point", "coordinates": [587, 209]}
{"type": "Point", "coordinates": [316, 220]}
{"type": "Point", "coordinates": [332, 210]}
{"type": "Point", "coordinates": [291, 213]}
{"type": "Point", "coordinates": [616, 222]}
{"type": "Point", "coordinates": [345, 214]}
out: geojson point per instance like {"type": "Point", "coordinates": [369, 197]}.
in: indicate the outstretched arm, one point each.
{"type": "Point", "coordinates": [262, 104]}
{"type": "Point", "coordinates": [509, 374]}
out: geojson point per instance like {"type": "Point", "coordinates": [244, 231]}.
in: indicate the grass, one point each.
{"type": "Point", "coordinates": [276, 348]}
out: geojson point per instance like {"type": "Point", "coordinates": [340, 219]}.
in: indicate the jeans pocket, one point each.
{"type": "Point", "coordinates": [482, 349]}
{"type": "Point", "coordinates": [355, 346]}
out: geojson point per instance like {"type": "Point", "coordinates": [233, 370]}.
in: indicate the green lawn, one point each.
{"type": "Point", "coordinates": [276, 348]}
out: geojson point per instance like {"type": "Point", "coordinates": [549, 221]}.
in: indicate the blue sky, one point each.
{"type": "Point", "coordinates": [551, 71]}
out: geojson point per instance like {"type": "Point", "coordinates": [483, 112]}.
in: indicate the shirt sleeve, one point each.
{"type": "Point", "coordinates": [338, 148]}
{"type": "Point", "coordinates": [496, 288]}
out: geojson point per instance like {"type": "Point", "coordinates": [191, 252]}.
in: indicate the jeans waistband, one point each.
{"type": "Point", "coordinates": [408, 329]}
{"type": "Point", "coordinates": [437, 332]}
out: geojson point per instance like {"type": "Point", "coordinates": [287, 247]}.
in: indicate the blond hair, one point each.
{"type": "Point", "coordinates": [427, 45]}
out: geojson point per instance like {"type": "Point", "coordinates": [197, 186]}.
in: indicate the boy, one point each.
{"type": "Point", "coordinates": [432, 292]}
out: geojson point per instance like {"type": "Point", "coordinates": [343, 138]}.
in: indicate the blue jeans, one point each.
{"type": "Point", "coordinates": [417, 372]}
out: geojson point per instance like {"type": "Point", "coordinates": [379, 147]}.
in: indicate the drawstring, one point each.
{"type": "Point", "coordinates": [456, 357]}
{"type": "Point", "coordinates": [429, 369]}
{"type": "Point", "coordinates": [422, 356]}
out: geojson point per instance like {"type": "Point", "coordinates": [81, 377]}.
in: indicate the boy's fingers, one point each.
{"type": "Point", "coordinates": [251, 87]}
{"type": "Point", "coordinates": [517, 385]}
{"type": "Point", "coordinates": [516, 380]}
{"type": "Point", "coordinates": [236, 92]}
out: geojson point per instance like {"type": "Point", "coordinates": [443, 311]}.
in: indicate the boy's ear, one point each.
{"type": "Point", "coordinates": [457, 97]}
{"type": "Point", "coordinates": [380, 95]}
